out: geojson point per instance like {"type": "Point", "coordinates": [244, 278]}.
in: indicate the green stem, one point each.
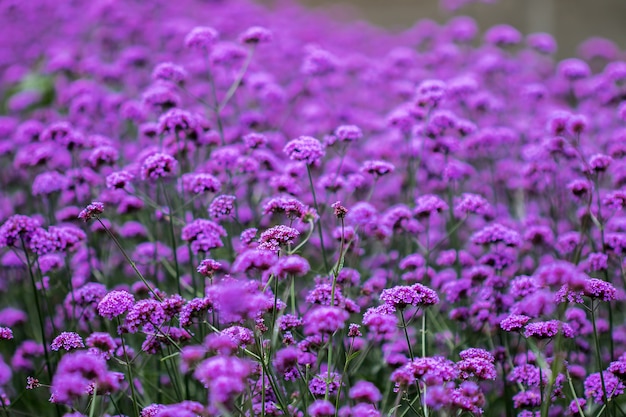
{"type": "Point", "coordinates": [598, 358]}
{"type": "Point", "coordinates": [131, 381]}
{"type": "Point", "coordinates": [319, 220]}
{"type": "Point", "coordinates": [130, 261]}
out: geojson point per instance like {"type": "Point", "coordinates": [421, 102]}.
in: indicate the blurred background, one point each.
{"type": "Point", "coordinates": [570, 21]}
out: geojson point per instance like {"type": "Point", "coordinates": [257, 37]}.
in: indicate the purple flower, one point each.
{"type": "Point", "coordinates": [305, 149]}
{"type": "Point", "coordinates": [92, 210]}
{"type": "Point", "coordinates": [148, 313]}
{"type": "Point", "coordinates": [286, 363]}
{"type": "Point", "coordinates": [159, 165]}
{"type": "Point", "coordinates": [497, 233]}
{"type": "Point", "coordinates": [365, 391]}
{"type": "Point", "coordinates": [222, 207]}
{"type": "Point", "coordinates": [15, 228]}
{"type": "Point", "coordinates": [103, 155]}
{"type": "Point", "coordinates": [325, 320]}
{"type": "Point", "coordinates": [594, 387]}
{"type": "Point", "coordinates": [542, 42]}
{"type": "Point", "coordinates": [203, 235]}
{"type": "Point", "coordinates": [503, 35]}
{"type": "Point", "coordinates": [548, 329]}
{"type": "Point", "coordinates": [599, 289]}
{"type": "Point", "coordinates": [200, 183]}
{"type": "Point", "coordinates": [255, 35]}
{"type": "Point", "coordinates": [426, 205]}
{"type": "Point", "coordinates": [291, 265]}
{"type": "Point", "coordinates": [168, 71]}
{"type": "Point", "coordinates": [201, 37]}
{"type": "Point", "coordinates": [472, 204]}
{"type": "Point", "coordinates": [476, 363]}
{"type": "Point", "coordinates": [514, 322]}
{"type": "Point", "coordinates": [224, 376]}
{"type": "Point", "coordinates": [115, 303]}
{"type": "Point", "coordinates": [377, 168]}
{"type": "Point", "coordinates": [321, 408]}
{"type": "Point", "coordinates": [291, 207]}
{"type": "Point", "coordinates": [208, 267]}
{"type": "Point", "coordinates": [348, 133]}
{"type": "Point", "coordinates": [6, 333]}
{"type": "Point", "coordinates": [194, 308]}
{"type": "Point", "coordinates": [76, 374]}
{"type": "Point", "coordinates": [320, 384]}
{"type": "Point", "coordinates": [430, 93]}
{"type": "Point", "coordinates": [67, 341]}
{"type": "Point", "coordinates": [417, 295]}
{"type": "Point", "coordinates": [272, 239]}
{"type": "Point", "coordinates": [573, 69]}
{"type": "Point", "coordinates": [254, 140]}
{"type": "Point", "coordinates": [49, 182]}
{"type": "Point", "coordinates": [119, 180]}
{"type": "Point", "coordinates": [100, 343]}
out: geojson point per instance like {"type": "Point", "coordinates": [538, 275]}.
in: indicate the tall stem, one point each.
{"type": "Point", "coordinates": [596, 339]}
{"type": "Point", "coordinates": [319, 220]}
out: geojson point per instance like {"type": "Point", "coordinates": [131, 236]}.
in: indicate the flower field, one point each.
{"type": "Point", "coordinates": [219, 208]}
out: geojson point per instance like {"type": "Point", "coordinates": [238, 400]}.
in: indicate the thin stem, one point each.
{"type": "Point", "coordinates": [130, 261]}
{"type": "Point", "coordinates": [38, 307]}
{"type": "Point", "coordinates": [319, 220]}
{"type": "Point", "coordinates": [131, 381]}
{"type": "Point", "coordinates": [596, 339]}
{"type": "Point", "coordinates": [235, 85]}
{"type": "Point", "coordinates": [172, 235]}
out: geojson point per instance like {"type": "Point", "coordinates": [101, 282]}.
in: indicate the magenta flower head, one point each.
{"type": "Point", "coordinates": [503, 35]}
{"type": "Point", "coordinates": [294, 265]}
{"type": "Point", "coordinates": [430, 93]}
{"type": "Point", "coordinates": [377, 168]}
{"type": "Point", "coordinates": [223, 207]}
{"type": "Point", "coordinates": [94, 209]}
{"type": "Point", "coordinates": [338, 210]}
{"type": "Point", "coordinates": [305, 149]}
{"type": "Point", "coordinates": [201, 37]}
{"type": "Point", "coordinates": [158, 165]}
{"type": "Point", "coordinates": [497, 233]}
{"type": "Point", "coordinates": [272, 239]}
{"type": "Point", "coordinates": [255, 35]}
{"type": "Point", "coordinates": [548, 329]}
{"type": "Point", "coordinates": [168, 71]}
{"type": "Point", "coordinates": [417, 295]}
{"type": "Point", "coordinates": [321, 408]}
{"type": "Point", "coordinates": [348, 133]}
{"type": "Point", "coordinates": [573, 69]}
{"type": "Point", "coordinates": [67, 341]}
{"type": "Point", "coordinates": [6, 333]}
{"type": "Point", "coordinates": [208, 267]}
{"type": "Point", "coordinates": [325, 320]}
{"type": "Point", "coordinates": [542, 42]}
{"type": "Point", "coordinates": [119, 180]}
{"type": "Point", "coordinates": [115, 303]}
{"type": "Point", "coordinates": [177, 121]}
{"type": "Point", "coordinates": [200, 183]}
{"type": "Point", "coordinates": [514, 322]}
{"type": "Point", "coordinates": [365, 391]}
{"type": "Point", "coordinates": [224, 376]}
{"type": "Point", "coordinates": [291, 207]}
{"type": "Point", "coordinates": [428, 204]}
{"type": "Point", "coordinates": [597, 387]}
{"type": "Point", "coordinates": [476, 363]}
{"type": "Point", "coordinates": [16, 227]}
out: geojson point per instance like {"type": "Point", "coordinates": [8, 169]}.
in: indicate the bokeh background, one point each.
{"type": "Point", "coordinates": [570, 21]}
